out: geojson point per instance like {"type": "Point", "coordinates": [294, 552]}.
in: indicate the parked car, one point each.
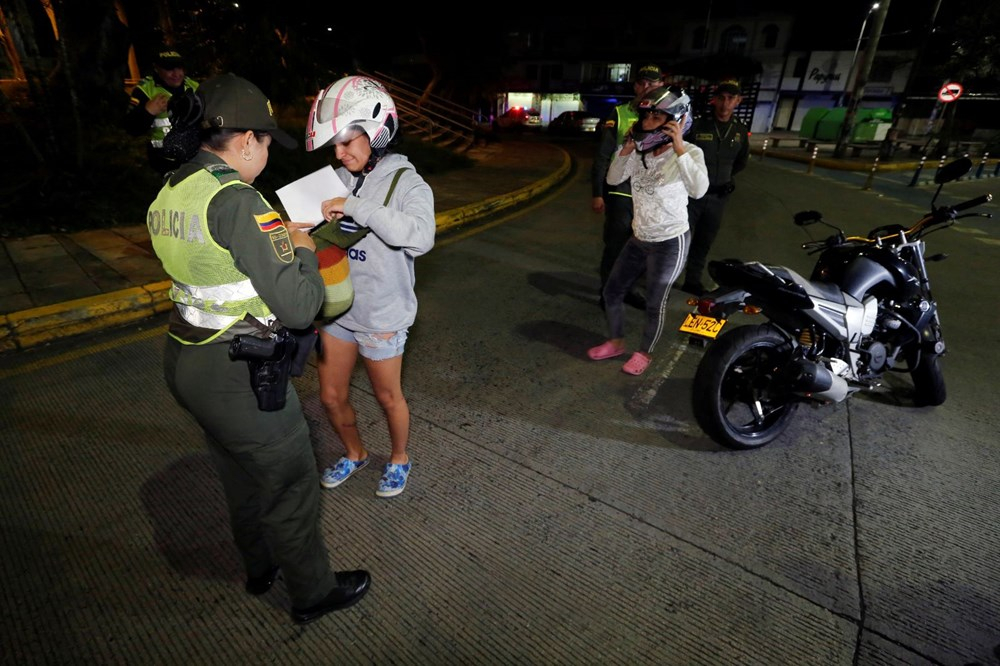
{"type": "Point", "coordinates": [518, 118]}
{"type": "Point", "coordinates": [574, 122]}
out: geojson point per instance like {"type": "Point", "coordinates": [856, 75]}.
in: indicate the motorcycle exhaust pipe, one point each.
{"type": "Point", "coordinates": [812, 380]}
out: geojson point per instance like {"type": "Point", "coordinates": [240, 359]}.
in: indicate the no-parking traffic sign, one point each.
{"type": "Point", "coordinates": [950, 92]}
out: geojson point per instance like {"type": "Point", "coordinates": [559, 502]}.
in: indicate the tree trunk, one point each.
{"type": "Point", "coordinates": [75, 139]}
{"type": "Point", "coordinates": [21, 24]}
{"type": "Point", "coordinates": [8, 109]}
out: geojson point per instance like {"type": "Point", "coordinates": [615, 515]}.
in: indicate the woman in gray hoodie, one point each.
{"type": "Point", "coordinates": [391, 208]}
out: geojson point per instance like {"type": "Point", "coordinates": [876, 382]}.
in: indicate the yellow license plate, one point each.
{"type": "Point", "coordinates": [706, 327]}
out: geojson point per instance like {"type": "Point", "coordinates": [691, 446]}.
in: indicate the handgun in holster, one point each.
{"type": "Point", "coordinates": [272, 361]}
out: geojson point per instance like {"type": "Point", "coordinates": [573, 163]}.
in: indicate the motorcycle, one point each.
{"type": "Point", "coordinates": [865, 310]}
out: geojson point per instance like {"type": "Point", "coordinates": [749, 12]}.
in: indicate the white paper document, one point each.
{"type": "Point", "coordinates": [302, 198]}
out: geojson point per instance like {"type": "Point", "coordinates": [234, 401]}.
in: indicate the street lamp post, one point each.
{"type": "Point", "coordinates": [858, 85]}
{"type": "Point", "coordinates": [857, 47]}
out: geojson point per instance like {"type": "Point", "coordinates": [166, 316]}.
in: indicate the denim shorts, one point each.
{"type": "Point", "coordinates": [373, 346]}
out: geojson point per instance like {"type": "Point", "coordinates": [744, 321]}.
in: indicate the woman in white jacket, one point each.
{"type": "Point", "coordinates": [394, 203]}
{"type": "Point", "coordinates": [665, 171]}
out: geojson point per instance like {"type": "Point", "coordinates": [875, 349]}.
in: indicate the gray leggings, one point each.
{"type": "Point", "coordinates": [662, 262]}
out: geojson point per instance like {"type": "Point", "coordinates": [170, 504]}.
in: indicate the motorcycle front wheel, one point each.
{"type": "Point", "coordinates": [925, 370]}
{"type": "Point", "coordinates": [738, 396]}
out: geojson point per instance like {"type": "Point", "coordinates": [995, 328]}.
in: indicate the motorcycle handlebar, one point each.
{"type": "Point", "coordinates": [972, 203]}
{"type": "Point", "coordinates": [942, 214]}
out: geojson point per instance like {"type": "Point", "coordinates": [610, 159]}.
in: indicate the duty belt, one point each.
{"type": "Point", "coordinates": [725, 188]}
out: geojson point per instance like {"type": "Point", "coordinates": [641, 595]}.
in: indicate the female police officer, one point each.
{"type": "Point", "coordinates": [237, 270]}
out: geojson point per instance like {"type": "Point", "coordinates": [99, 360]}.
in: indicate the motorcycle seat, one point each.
{"type": "Point", "coordinates": [822, 290]}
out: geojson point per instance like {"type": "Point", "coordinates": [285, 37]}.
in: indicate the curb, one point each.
{"type": "Point", "coordinates": [27, 328]}
{"type": "Point", "coordinates": [828, 163]}
{"type": "Point", "coordinates": [453, 218]}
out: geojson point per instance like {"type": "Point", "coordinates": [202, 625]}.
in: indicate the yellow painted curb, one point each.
{"type": "Point", "coordinates": [458, 216]}
{"type": "Point", "coordinates": [51, 322]}
{"type": "Point", "coordinates": [7, 341]}
{"type": "Point", "coordinates": [829, 163]}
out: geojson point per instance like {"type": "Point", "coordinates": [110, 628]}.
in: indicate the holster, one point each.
{"type": "Point", "coordinates": [272, 361]}
{"type": "Point", "coordinates": [269, 381]}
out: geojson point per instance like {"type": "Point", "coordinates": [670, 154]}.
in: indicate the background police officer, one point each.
{"type": "Point", "coordinates": [615, 201]}
{"type": "Point", "coordinates": [725, 142]}
{"type": "Point", "coordinates": [148, 114]}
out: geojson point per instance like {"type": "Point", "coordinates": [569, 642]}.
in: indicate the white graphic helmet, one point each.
{"type": "Point", "coordinates": [350, 105]}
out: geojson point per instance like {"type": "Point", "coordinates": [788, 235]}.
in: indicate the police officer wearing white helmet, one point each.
{"type": "Point", "coordinates": [665, 171]}
{"type": "Point", "coordinates": [239, 278]}
{"type": "Point", "coordinates": [391, 208]}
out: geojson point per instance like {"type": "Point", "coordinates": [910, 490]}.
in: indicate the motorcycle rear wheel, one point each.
{"type": "Point", "coordinates": [738, 397]}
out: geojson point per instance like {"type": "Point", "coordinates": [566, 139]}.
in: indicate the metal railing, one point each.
{"type": "Point", "coordinates": [434, 119]}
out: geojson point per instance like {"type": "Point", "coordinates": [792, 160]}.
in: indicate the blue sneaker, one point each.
{"type": "Point", "coordinates": [336, 475]}
{"type": "Point", "coordinates": [393, 480]}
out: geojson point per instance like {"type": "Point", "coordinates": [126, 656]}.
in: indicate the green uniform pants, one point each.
{"type": "Point", "coordinates": [266, 463]}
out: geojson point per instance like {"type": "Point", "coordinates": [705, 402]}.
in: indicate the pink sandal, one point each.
{"type": "Point", "coordinates": [637, 364]}
{"type": "Point", "coordinates": [604, 350]}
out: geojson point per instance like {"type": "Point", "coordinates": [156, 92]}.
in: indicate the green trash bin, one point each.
{"type": "Point", "coordinates": [807, 130]}
{"type": "Point", "coordinates": [828, 128]}
{"type": "Point", "coordinates": [867, 125]}
{"type": "Point", "coordinates": [869, 131]}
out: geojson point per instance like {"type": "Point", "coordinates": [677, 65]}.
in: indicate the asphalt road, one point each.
{"type": "Point", "coordinates": [559, 511]}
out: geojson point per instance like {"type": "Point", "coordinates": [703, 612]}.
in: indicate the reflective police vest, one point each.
{"type": "Point", "coordinates": [161, 123]}
{"type": "Point", "coordinates": [627, 115]}
{"type": "Point", "coordinates": [208, 290]}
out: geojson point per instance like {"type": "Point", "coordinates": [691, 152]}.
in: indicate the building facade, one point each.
{"type": "Point", "coordinates": [581, 69]}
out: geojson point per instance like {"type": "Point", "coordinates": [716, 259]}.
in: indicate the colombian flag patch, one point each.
{"type": "Point", "coordinates": [268, 222]}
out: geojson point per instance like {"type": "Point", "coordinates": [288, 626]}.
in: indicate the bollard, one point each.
{"type": "Point", "coordinates": [996, 170]}
{"type": "Point", "coordinates": [812, 160]}
{"type": "Point", "coordinates": [940, 163]}
{"type": "Point", "coordinates": [871, 176]}
{"type": "Point", "coordinates": [982, 165]}
{"type": "Point", "coordinates": [916, 174]}
{"type": "Point", "coordinates": [763, 149]}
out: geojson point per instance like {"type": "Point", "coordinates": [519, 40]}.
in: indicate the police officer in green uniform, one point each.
{"type": "Point", "coordinates": [148, 114]}
{"type": "Point", "coordinates": [237, 270]}
{"type": "Point", "coordinates": [615, 201]}
{"type": "Point", "coordinates": [726, 144]}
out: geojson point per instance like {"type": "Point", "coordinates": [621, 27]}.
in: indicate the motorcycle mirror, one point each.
{"type": "Point", "coordinates": [953, 171]}
{"type": "Point", "coordinates": [807, 217]}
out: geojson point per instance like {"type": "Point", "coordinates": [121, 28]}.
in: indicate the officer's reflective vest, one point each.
{"type": "Point", "coordinates": [208, 290]}
{"type": "Point", "coordinates": [161, 123]}
{"type": "Point", "coordinates": [627, 115]}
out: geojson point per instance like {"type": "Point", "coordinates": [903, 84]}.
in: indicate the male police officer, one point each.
{"type": "Point", "coordinates": [615, 201]}
{"type": "Point", "coordinates": [725, 141]}
{"type": "Point", "coordinates": [148, 105]}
